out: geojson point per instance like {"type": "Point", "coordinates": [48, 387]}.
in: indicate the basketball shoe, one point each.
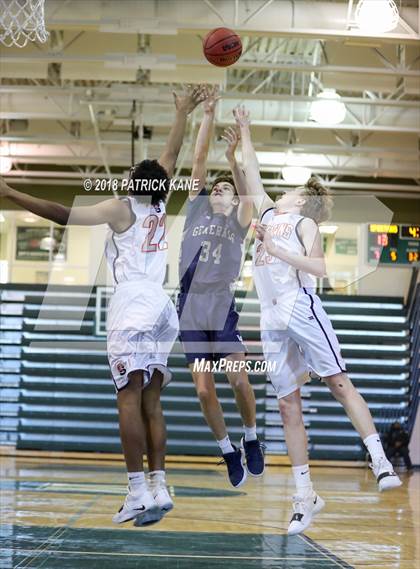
{"type": "Point", "coordinates": [304, 508]}
{"type": "Point", "coordinates": [254, 456]}
{"type": "Point", "coordinates": [137, 504]}
{"type": "Point", "coordinates": [159, 490]}
{"type": "Point", "coordinates": [385, 474]}
{"type": "Point", "coordinates": [236, 471]}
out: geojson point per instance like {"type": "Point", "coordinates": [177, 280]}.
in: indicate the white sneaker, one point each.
{"type": "Point", "coordinates": [304, 507]}
{"type": "Point", "coordinates": [385, 475]}
{"type": "Point", "coordinates": [161, 495]}
{"type": "Point", "coordinates": [137, 505]}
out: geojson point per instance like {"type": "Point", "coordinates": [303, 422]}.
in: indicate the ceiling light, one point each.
{"type": "Point", "coordinates": [6, 164]}
{"type": "Point", "coordinates": [328, 108]}
{"type": "Point", "coordinates": [30, 219]}
{"type": "Point", "coordinates": [295, 175]}
{"type": "Point", "coordinates": [328, 229]}
{"type": "Point", "coordinates": [377, 16]}
{"type": "Point", "coordinates": [2, 218]}
{"type": "Point", "coordinates": [271, 158]}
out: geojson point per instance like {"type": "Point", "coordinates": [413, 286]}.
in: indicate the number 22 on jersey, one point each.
{"type": "Point", "coordinates": [151, 244]}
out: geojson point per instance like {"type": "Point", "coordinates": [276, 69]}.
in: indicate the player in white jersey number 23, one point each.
{"type": "Point", "coordinates": [296, 332]}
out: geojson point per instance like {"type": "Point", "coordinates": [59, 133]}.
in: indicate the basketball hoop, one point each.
{"type": "Point", "coordinates": [22, 21]}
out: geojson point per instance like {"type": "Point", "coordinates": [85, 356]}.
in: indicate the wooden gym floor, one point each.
{"type": "Point", "coordinates": [56, 512]}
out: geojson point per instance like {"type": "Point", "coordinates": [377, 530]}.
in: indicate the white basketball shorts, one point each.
{"type": "Point", "coordinates": [142, 326]}
{"type": "Point", "coordinates": [307, 344]}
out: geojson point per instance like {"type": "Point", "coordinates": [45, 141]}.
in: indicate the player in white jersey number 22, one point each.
{"type": "Point", "coordinates": [295, 330]}
{"type": "Point", "coordinates": [142, 322]}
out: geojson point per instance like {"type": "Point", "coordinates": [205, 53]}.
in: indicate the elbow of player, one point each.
{"type": "Point", "coordinates": [62, 216]}
{"type": "Point", "coordinates": [318, 270]}
{"type": "Point", "coordinates": [321, 271]}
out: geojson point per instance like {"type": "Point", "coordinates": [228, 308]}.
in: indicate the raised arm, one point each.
{"type": "Point", "coordinates": [184, 105]}
{"type": "Point", "coordinates": [250, 161]}
{"type": "Point", "coordinates": [112, 211]}
{"type": "Point", "coordinates": [245, 208]}
{"type": "Point", "coordinates": [313, 262]}
{"type": "Point", "coordinates": [202, 144]}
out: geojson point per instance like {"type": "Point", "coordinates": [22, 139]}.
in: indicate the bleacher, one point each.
{"type": "Point", "coordinates": [56, 392]}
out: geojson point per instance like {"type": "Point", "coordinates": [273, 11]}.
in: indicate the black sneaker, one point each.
{"type": "Point", "coordinates": [254, 456]}
{"type": "Point", "coordinates": [236, 471]}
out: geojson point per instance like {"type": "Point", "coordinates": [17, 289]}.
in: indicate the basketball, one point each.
{"type": "Point", "coordinates": [222, 47]}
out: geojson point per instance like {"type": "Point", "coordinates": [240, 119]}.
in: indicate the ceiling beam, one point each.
{"type": "Point", "coordinates": [409, 153]}
{"type": "Point", "coordinates": [164, 26]}
{"type": "Point", "coordinates": [123, 161]}
{"type": "Point", "coordinates": [169, 61]}
{"type": "Point", "coordinates": [303, 125]}
{"type": "Point", "coordinates": [163, 96]}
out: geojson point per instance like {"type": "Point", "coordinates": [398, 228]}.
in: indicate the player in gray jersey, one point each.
{"type": "Point", "coordinates": [296, 332]}
{"type": "Point", "coordinates": [211, 253]}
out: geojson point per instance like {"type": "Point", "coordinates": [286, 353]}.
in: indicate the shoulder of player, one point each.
{"type": "Point", "coordinates": [306, 224]}
{"type": "Point", "coordinates": [121, 214]}
{"type": "Point", "coordinates": [306, 228]}
{"type": "Point", "coordinates": [114, 208]}
{"type": "Point", "coordinates": [267, 213]}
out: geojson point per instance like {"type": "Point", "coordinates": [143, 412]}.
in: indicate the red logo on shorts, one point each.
{"type": "Point", "coordinates": [121, 368]}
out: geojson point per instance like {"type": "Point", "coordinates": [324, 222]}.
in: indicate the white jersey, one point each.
{"type": "Point", "coordinates": [140, 252]}
{"type": "Point", "coordinates": [142, 323]}
{"type": "Point", "coordinates": [275, 280]}
{"type": "Point", "coordinates": [296, 333]}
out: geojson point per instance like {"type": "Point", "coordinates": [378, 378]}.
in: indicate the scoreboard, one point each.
{"type": "Point", "coordinates": [393, 244]}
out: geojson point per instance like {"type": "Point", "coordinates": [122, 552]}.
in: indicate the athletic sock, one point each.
{"type": "Point", "coordinates": [135, 481]}
{"type": "Point", "coordinates": [225, 445]}
{"type": "Point", "coordinates": [157, 476]}
{"type": "Point", "coordinates": [374, 446]}
{"type": "Point", "coordinates": [250, 433]}
{"type": "Point", "coordinates": [302, 478]}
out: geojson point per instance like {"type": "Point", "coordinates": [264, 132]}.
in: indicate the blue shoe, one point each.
{"type": "Point", "coordinates": [254, 456]}
{"type": "Point", "coordinates": [236, 471]}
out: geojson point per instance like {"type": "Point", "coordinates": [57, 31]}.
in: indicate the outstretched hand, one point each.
{"type": "Point", "coordinates": [241, 115]}
{"type": "Point", "coordinates": [212, 96]}
{"type": "Point", "coordinates": [193, 95]}
{"type": "Point", "coordinates": [231, 136]}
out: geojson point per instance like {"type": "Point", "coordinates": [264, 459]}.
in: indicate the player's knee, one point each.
{"type": "Point", "coordinates": [205, 394]}
{"type": "Point", "coordinates": [340, 386]}
{"type": "Point", "coordinates": [289, 410]}
{"type": "Point", "coordinates": [239, 383]}
{"type": "Point", "coordinates": [152, 412]}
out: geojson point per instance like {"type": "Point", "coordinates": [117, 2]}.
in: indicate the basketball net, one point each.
{"type": "Point", "coordinates": [22, 21]}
